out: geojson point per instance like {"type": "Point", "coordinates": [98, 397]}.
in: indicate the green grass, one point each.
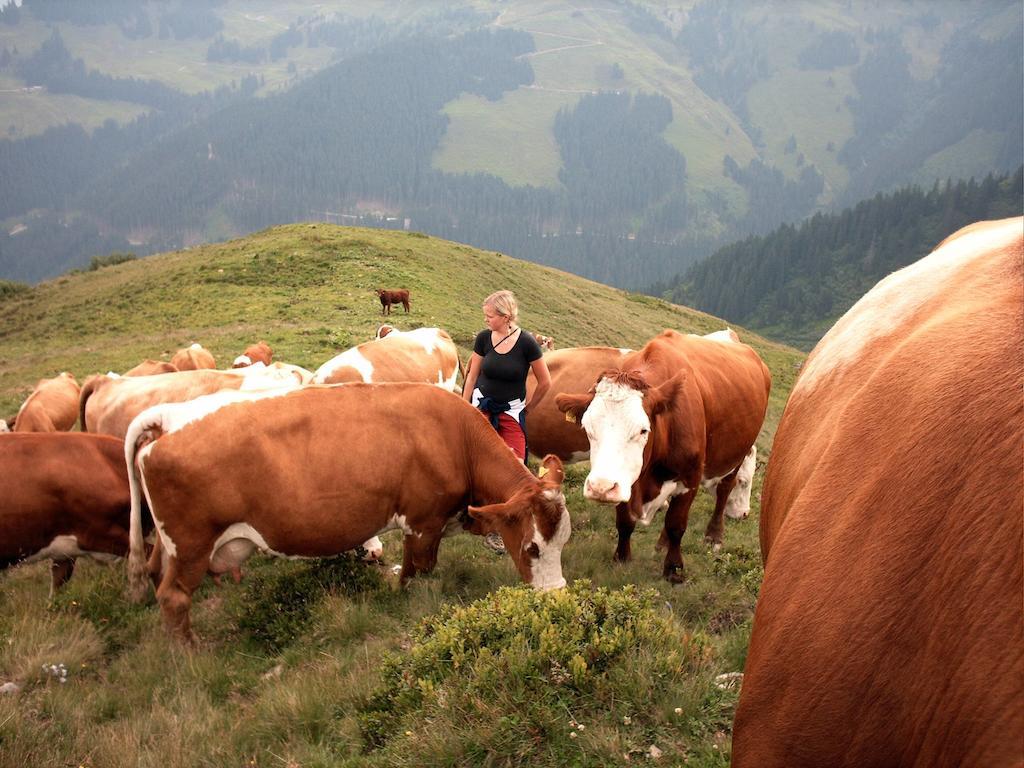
{"type": "Point", "coordinates": [293, 685]}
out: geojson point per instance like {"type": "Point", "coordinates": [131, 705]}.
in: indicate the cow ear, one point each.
{"type": "Point", "coordinates": [492, 515]}
{"type": "Point", "coordinates": [573, 406]}
{"type": "Point", "coordinates": [551, 471]}
{"type": "Point", "coordinates": [657, 399]}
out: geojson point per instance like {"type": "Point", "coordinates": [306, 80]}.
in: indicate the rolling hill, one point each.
{"type": "Point", "coordinates": [307, 289]}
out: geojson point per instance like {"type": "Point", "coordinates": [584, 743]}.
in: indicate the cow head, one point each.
{"type": "Point", "coordinates": [617, 415]}
{"type": "Point", "coordinates": [534, 524]}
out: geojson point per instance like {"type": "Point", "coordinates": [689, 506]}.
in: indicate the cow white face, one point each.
{"type": "Point", "coordinates": [618, 428]}
{"type": "Point", "coordinates": [545, 557]}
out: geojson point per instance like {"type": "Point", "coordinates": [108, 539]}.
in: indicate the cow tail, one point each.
{"type": "Point", "coordinates": [83, 397]}
{"type": "Point", "coordinates": [140, 434]}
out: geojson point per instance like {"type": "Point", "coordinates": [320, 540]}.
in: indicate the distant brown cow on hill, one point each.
{"type": "Point", "coordinates": [52, 406]}
{"type": "Point", "coordinates": [387, 298]}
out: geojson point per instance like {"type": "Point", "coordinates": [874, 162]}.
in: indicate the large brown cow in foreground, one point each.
{"type": "Point", "coordinates": [889, 629]}
{"type": "Point", "coordinates": [387, 298]}
{"type": "Point", "coordinates": [52, 406]}
{"type": "Point", "coordinates": [349, 462]}
{"type": "Point", "coordinates": [66, 497]}
{"type": "Point", "coordinates": [682, 411]}
{"type": "Point", "coordinates": [422, 355]}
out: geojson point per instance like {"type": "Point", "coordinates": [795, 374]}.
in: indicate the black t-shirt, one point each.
{"type": "Point", "coordinates": [503, 376]}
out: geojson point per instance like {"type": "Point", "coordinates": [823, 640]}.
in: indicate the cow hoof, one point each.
{"type": "Point", "coordinates": [714, 543]}
{"type": "Point", "coordinates": [619, 558]}
{"type": "Point", "coordinates": [675, 574]}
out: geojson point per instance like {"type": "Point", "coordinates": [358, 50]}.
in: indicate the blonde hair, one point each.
{"type": "Point", "coordinates": [504, 303]}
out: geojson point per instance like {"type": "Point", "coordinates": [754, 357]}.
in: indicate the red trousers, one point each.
{"type": "Point", "coordinates": [512, 433]}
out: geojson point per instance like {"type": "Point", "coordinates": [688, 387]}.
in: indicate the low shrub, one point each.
{"type": "Point", "coordinates": [117, 257]}
{"type": "Point", "coordinates": [278, 603]}
{"type": "Point", "coordinates": [569, 645]}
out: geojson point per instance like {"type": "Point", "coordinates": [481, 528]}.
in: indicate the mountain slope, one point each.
{"type": "Point", "coordinates": [307, 289]}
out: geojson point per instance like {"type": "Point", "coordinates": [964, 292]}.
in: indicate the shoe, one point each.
{"type": "Point", "coordinates": [494, 543]}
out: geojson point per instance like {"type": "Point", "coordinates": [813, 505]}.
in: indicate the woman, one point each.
{"type": "Point", "coordinates": [503, 356]}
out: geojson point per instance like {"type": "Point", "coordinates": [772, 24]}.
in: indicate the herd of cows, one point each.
{"type": "Point", "coordinates": [889, 628]}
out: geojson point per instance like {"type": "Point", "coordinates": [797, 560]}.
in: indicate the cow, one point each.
{"type": "Point", "coordinates": [422, 355]}
{"type": "Point", "coordinates": [546, 343]}
{"type": "Point", "coordinates": [889, 626]}
{"type": "Point", "coordinates": [70, 499]}
{"type": "Point", "coordinates": [572, 369]}
{"type": "Point", "coordinates": [254, 353]}
{"type": "Point", "coordinates": [350, 462]}
{"type": "Point", "coordinates": [52, 406]}
{"type": "Point", "coordinates": [107, 405]}
{"type": "Point", "coordinates": [193, 358]}
{"type": "Point", "coordinates": [387, 298]}
{"type": "Point", "coordinates": [151, 368]}
{"type": "Point", "coordinates": [682, 410]}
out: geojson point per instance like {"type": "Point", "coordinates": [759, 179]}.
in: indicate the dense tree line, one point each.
{"type": "Point", "coordinates": [773, 198]}
{"type": "Point", "coordinates": [793, 283]}
{"type": "Point", "coordinates": [831, 49]}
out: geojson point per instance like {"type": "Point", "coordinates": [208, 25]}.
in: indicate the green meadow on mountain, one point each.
{"type": "Point", "coordinates": [327, 663]}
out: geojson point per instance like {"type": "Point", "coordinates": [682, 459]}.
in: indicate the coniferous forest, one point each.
{"type": "Point", "coordinates": [794, 283]}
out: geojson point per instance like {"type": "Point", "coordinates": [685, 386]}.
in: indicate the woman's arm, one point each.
{"type": "Point", "coordinates": [543, 376]}
{"type": "Point", "coordinates": [469, 383]}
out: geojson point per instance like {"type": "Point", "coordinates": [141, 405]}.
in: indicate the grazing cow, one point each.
{"type": "Point", "coordinates": [423, 355]}
{"type": "Point", "coordinates": [254, 353]}
{"type": "Point", "coordinates": [193, 358]}
{"type": "Point", "coordinates": [387, 298]}
{"type": "Point", "coordinates": [151, 368]}
{"type": "Point", "coordinates": [107, 405]}
{"type": "Point", "coordinates": [52, 406]}
{"type": "Point", "coordinates": [573, 369]}
{"type": "Point", "coordinates": [889, 626]}
{"type": "Point", "coordinates": [70, 499]}
{"type": "Point", "coordinates": [682, 410]}
{"type": "Point", "coordinates": [546, 343]}
{"type": "Point", "coordinates": [405, 456]}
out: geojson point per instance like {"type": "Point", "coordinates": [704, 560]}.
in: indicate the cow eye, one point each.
{"type": "Point", "coordinates": [644, 432]}
{"type": "Point", "coordinates": [533, 550]}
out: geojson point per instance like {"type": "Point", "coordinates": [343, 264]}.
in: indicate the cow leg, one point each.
{"type": "Point", "coordinates": [624, 523]}
{"type": "Point", "coordinates": [154, 566]}
{"type": "Point", "coordinates": [175, 597]}
{"type": "Point", "coordinates": [716, 525]}
{"type": "Point", "coordinates": [60, 572]}
{"type": "Point", "coordinates": [408, 562]}
{"type": "Point", "coordinates": [676, 518]}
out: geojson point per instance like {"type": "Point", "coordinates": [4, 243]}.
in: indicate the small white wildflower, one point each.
{"type": "Point", "coordinates": [581, 727]}
{"type": "Point", "coordinates": [627, 720]}
{"type": "Point", "coordinates": [572, 734]}
{"type": "Point", "coordinates": [679, 710]}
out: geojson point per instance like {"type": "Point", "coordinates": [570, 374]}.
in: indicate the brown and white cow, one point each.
{"type": "Point", "coordinates": [108, 405]}
{"type": "Point", "coordinates": [546, 343]}
{"type": "Point", "coordinates": [681, 411]}
{"type": "Point", "coordinates": [193, 358]}
{"type": "Point", "coordinates": [151, 368]}
{"type": "Point", "coordinates": [52, 406]}
{"type": "Point", "coordinates": [422, 355]}
{"type": "Point", "coordinates": [350, 461]}
{"type": "Point", "coordinates": [69, 498]}
{"type": "Point", "coordinates": [254, 353]}
{"type": "Point", "coordinates": [387, 298]}
{"type": "Point", "coordinates": [889, 629]}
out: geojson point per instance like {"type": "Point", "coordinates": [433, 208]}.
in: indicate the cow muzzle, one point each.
{"type": "Point", "coordinates": [605, 491]}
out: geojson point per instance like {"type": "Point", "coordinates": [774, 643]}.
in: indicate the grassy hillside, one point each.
{"type": "Point", "coordinates": [288, 675]}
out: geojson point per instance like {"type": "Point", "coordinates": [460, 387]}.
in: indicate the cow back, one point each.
{"type": "Point", "coordinates": [888, 629]}
{"type": "Point", "coordinates": [52, 406]}
{"type": "Point", "coordinates": [574, 369]}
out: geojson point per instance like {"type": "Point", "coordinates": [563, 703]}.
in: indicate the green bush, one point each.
{"type": "Point", "coordinates": [278, 603]}
{"type": "Point", "coordinates": [117, 257]}
{"type": "Point", "coordinates": [11, 288]}
{"type": "Point", "coordinates": [568, 644]}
